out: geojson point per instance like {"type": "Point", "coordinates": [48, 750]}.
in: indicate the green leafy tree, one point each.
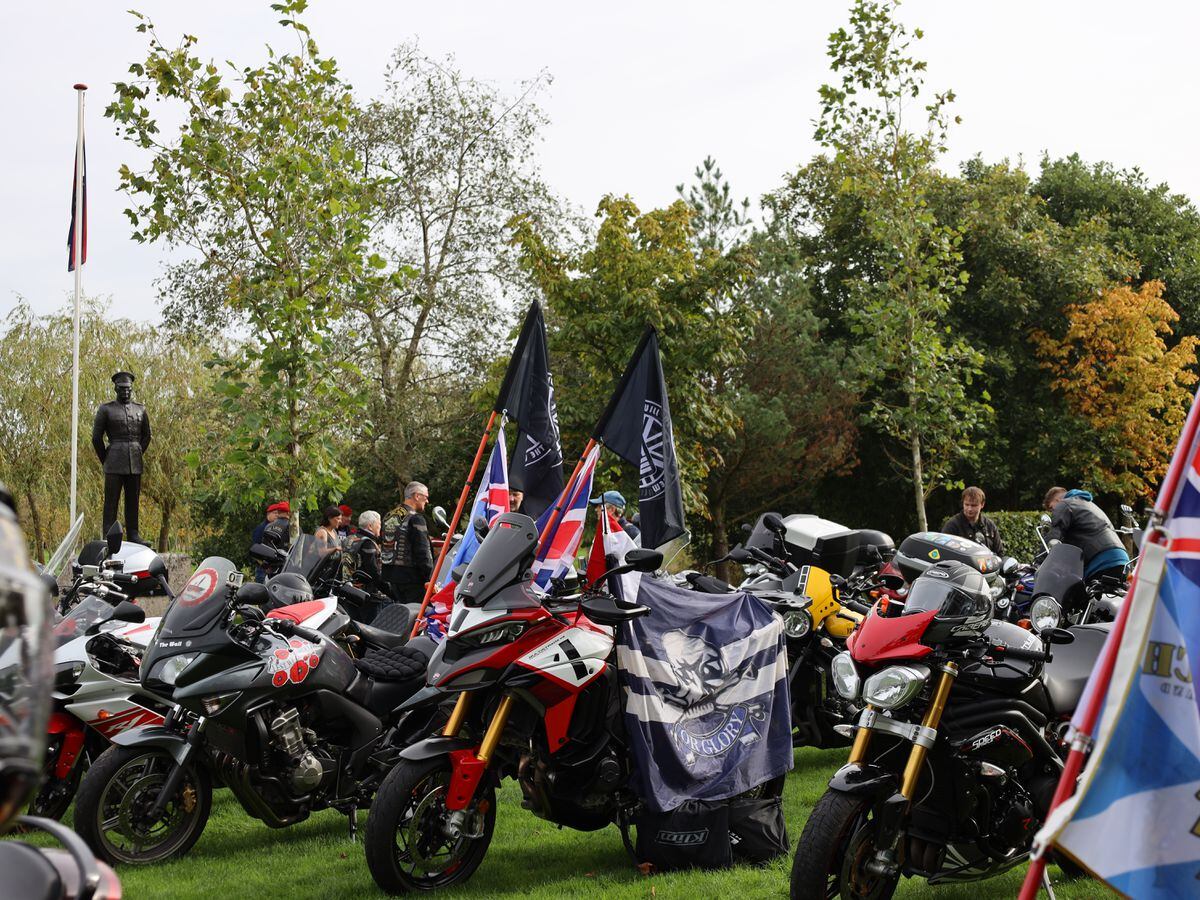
{"type": "Point", "coordinates": [261, 182]}
{"type": "Point", "coordinates": [719, 222]}
{"type": "Point", "coordinates": [896, 276]}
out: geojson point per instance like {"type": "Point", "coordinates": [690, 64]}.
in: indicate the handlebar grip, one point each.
{"type": "Point", "coordinates": [1018, 653]}
{"type": "Point", "coordinates": [288, 627]}
{"type": "Point", "coordinates": [856, 606]}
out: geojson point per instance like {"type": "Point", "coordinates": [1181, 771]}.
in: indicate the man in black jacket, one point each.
{"type": "Point", "coordinates": [405, 550]}
{"type": "Point", "coordinates": [127, 426]}
{"type": "Point", "coordinates": [972, 524]}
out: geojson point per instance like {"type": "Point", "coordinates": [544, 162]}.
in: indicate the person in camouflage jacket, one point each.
{"type": "Point", "coordinates": [405, 551]}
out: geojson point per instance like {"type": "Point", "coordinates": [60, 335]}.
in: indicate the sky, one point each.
{"type": "Point", "coordinates": [641, 93]}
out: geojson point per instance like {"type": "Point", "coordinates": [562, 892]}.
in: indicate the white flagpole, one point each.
{"type": "Point", "coordinates": [77, 249]}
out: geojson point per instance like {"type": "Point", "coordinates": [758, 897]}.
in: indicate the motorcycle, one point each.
{"type": "Point", "coordinates": [958, 747]}
{"type": "Point", "coordinates": [537, 700]}
{"type": "Point", "coordinates": [277, 712]}
{"type": "Point", "coordinates": [135, 568]}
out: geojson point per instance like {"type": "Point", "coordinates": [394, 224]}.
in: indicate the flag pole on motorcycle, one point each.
{"type": "Point", "coordinates": [526, 397]}
{"type": "Point", "coordinates": [1131, 824]}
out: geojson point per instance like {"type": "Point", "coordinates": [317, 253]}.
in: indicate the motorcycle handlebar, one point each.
{"type": "Point", "coordinates": [1019, 653]}
{"type": "Point", "coordinates": [289, 628]}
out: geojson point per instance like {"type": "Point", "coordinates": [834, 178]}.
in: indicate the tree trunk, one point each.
{"type": "Point", "coordinates": [720, 538]}
{"type": "Point", "coordinates": [39, 539]}
{"type": "Point", "coordinates": [919, 483]}
{"type": "Point", "coordinates": [164, 531]}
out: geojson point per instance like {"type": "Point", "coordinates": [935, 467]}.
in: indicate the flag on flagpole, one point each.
{"type": "Point", "coordinates": [557, 554]}
{"type": "Point", "coordinates": [527, 398]}
{"type": "Point", "coordinates": [490, 501]}
{"type": "Point", "coordinates": [1134, 818]}
{"type": "Point", "coordinates": [83, 225]}
{"type": "Point", "coordinates": [608, 551]}
{"type": "Point", "coordinates": [637, 427]}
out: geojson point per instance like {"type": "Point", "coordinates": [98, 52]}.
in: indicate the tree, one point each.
{"type": "Point", "coordinates": [1129, 389]}
{"type": "Point", "coordinates": [457, 161]}
{"type": "Point", "coordinates": [644, 269]}
{"type": "Point", "coordinates": [262, 184]}
{"type": "Point", "coordinates": [900, 269]}
{"type": "Point", "coordinates": [719, 223]}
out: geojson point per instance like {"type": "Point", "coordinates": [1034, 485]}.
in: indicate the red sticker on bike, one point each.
{"type": "Point", "coordinates": [199, 587]}
{"type": "Point", "coordinates": [293, 663]}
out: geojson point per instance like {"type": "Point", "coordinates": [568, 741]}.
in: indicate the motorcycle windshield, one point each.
{"type": "Point", "coordinates": [198, 607]}
{"type": "Point", "coordinates": [89, 612]}
{"type": "Point", "coordinates": [58, 560]}
{"type": "Point", "coordinates": [504, 557]}
{"type": "Point", "coordinates": [312, 558]}
{"type": "Point", "coordinates": [1060, 571]}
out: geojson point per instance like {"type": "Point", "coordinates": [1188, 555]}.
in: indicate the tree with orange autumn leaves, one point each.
{"type": "Point", "coordinates": [1129, 389]}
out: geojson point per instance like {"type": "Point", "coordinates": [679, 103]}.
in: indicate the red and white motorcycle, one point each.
{"type": "Point", "coordinates": [535, 698]}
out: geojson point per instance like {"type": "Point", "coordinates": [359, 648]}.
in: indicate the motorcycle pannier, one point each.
{"type": "Point", "coordinates": [694, 835]}
{"type": "Point", "coordinates": [757, 829]}
{"type": "Point", "coordinates": [919, 551]}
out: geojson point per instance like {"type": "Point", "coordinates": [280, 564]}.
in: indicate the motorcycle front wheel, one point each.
{"type": "Point", "coordinates": [837, 843]}
{"type": "Point", "coordinates": [112, 811]}
{"type": "Point", "coordinates": [408, 842]}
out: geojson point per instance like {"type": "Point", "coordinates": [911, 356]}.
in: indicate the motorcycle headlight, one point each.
{"type": "Point", "coordinates": [894, 686]}
{"type": "Point", "coordinates": [1045, 614]}
{"type": "Point", "coordinates": [509, 631]}
{"type": "Point", "coordinates": [796, 623]}
{"type": "Point", "coordinates": [845, 676]}
{"type": "Point", "coordinates": [172, 666]}
{"type": "Point", "coordinates": [752, 569]}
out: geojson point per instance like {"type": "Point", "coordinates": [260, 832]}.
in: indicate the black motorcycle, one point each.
{"type": "Point", "coordinates": [280, 714]}
{"type": "Point", "coordinates": [958, 748]}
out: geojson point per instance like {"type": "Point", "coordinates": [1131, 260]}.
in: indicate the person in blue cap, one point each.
{"type": "Point", "coordinates": [615, 504]}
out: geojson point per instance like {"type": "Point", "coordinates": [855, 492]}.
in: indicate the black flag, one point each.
{"type": "Point", "coordinates": [637, 427]}
{"type": "Point", "coordinates": [527, 397]}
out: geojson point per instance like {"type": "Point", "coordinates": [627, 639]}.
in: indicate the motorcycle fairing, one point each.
{"type": "Point", "coordinates": [572, 658]}
{"type": "Point", "coordinates": [72, 742]}
{"type": "Point", "coordinates": [893, 637]}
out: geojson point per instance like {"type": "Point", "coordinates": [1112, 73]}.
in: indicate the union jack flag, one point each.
{"type": "Point", "coordinates": [491, 500]}
{"type": "Point", "coordinates": [557, 555]}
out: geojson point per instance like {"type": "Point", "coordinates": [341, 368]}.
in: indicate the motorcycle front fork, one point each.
{"type": "Point", "coordinates": [895, 808]}
{"type": "Point", "coordinates": [467, 767]}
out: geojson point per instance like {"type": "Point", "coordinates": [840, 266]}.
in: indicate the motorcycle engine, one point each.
{"type": "Point", "coordinates": [306, 771]}
{"type": "Point", "coordinates": [579, 797]}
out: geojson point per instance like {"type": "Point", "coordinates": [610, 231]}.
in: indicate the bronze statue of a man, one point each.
{"type": "Point", "coordinates": [127, 426]}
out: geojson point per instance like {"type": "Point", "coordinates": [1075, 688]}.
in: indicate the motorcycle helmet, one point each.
{"type": "Point", "coordinates": [26, 667]}
{"type": "Point", "coordinates": [278, 534]}
{"type": "Point", "coordinates": [287, 588]}
{"type": "Point", "coordinates": [959, 596]}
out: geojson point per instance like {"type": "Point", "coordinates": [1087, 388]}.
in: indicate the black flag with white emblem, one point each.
{"type": "Point", "coordinates": [527, 398]}
{"type": "Point", "coordinates": [637, 427]}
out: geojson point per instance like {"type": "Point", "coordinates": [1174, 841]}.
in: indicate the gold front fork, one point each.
{"type": "Point", "coordinates": [495, 728]}
{"type": "Point", "coordinates": [455, 723]}
{"type": "Point", "coordinates": [933, 716]}
{"type": "Point", "coordinates": [862, 737]}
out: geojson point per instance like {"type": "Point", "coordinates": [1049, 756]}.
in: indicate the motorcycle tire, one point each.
{"type": "Point", "coordinates": [105, 799]}
{"type": "Point", "coordinates": [835, 842]}
{"type": "Point", "coordinates": [404, 838]}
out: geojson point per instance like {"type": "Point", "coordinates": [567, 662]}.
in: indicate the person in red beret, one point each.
{"type": "Point", "coordinates": [346, 529]}
{"type": "Point", "coordinates": [280, 510]}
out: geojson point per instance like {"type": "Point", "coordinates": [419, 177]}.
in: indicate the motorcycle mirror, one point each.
{"type": "Point", "coordinates": [748, 528]}
{"type": "Point", "coordinates": [740, 555]}
{"type": "Point", "coordinates": [114, 539]}
{"type": "Point", "coordinates": [265, 554]}
{"type": "Point", "coordinates": [51, 583]}
{"type": "Point", "coordinates": [126, 611]}
{"type": "Point", "coordinates": [1045, 519]}
{"type": "Point", "coordinates": [439, 516]}
{"type": "Point", "coordinates": [1009, 566]}
{"type": "Point", "coordinates": [640, 560]}
{"type": "Point", "coordinates": [251, 593]}
{"type": "Point", "coordinates": [1127, 509]}
{"type": "Point", "coordinates": [480, 524]}
{"type": "Point", "coordinates": [774, 522]}
{"type": "Point", "coordinates": [252, 613]}
{"type": "Point", "coordinates": [1057, 636]}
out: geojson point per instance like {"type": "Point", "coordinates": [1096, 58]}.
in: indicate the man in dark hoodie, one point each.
{"type": "Point", "coordinates": [1076, 520]}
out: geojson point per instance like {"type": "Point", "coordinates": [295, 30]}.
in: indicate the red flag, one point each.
{"type": "Point", "coordinates": [83, 228]}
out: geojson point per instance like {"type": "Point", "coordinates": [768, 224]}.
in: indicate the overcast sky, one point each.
{"type": "Point", "coordinates": [642, 92]}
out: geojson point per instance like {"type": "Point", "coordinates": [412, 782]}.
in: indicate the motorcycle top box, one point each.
{"type": "Point", "coordinates": [919, 551]}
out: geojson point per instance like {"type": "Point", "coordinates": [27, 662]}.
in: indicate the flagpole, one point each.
{"type": "Point", "coordinates": [563, 497]}
{"type": "Point", "coordinates": [1082, 741]}
{"type": "Point", "coordinates": [77, 255]}
{"type": "Point", "coordinates": [462, 500]}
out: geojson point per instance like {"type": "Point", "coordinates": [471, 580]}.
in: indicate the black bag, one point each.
{"type": "Point", "coordinates": [756, 829]}
{"type": "Point", "coordinates": [695, 835]}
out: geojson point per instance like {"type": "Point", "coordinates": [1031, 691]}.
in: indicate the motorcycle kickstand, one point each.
{"type": "Point", "coordinates": [1046, 882]}
{"type": "Point", "coordinates": [353, 819]}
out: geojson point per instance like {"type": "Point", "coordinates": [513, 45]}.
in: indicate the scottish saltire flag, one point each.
{"type": "Point", "coordinates": [1134, 820]}
{"type": "Point", "coordinates": [490, 501]}
{"type": "Point", "coordinates": [705, 692]}
{"type": "Point", "coordinates": [75, 186]}
{"type": "Point", "coordinates": [557, 554]}
{"type": "Point", "coordinates": [609, 547]}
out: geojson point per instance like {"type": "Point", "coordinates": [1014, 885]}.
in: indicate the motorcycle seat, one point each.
{"type": "Point", "coordinates": [389, 629]}
{"type": "Point", "coordinates": [388, 677]}
{"type": "Point", "coordinates": [1066, 675]}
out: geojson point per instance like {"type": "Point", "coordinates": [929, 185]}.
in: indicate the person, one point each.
{"type": "Point", "coordinates": [363, 554]}
{"type": "Point", "coordinates": [972, 524]}
{"type": "Point", "coordinates": [1076, 520]}
{"type": "Point", "coordinates": [126, 424]}
{"type": "Point", "coordinates": [515, 499]}
{"type": "Point", "coordinates": [327, 531]}
{"type": "Point", "coordinates": [275, 511]}
{"type": "Point", "coordinates": [405, 551]}
{"type": "Point", "coordinates": [346, 527]}
{"type": "Point", "coordinates": [614, 502]}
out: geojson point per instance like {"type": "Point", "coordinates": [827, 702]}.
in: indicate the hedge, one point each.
{"type": "Point", "coordinates": [1018, 530]}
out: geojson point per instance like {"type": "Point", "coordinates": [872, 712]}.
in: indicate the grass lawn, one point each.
{"type": "Point", "coordinates": [240, 857]}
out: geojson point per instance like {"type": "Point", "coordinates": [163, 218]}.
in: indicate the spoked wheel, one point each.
{"type": "Point", "coordinates": [54, 797]}
{"type": "Point", "coordinates": [113, 809]}
{"type": "Point", "coordinates": [413, 842]}
{"type": "Point", "coordinates": [837, 843]}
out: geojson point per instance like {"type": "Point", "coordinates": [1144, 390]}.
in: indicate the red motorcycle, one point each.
{"type": "Point", "coordinates": [537, 700]}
